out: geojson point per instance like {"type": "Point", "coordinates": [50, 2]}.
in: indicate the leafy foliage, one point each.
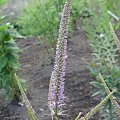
{"type": "Point", "coordinates": [104, 54]}
{"type": "Point", "coordinates": [111, 75]}
{"type": "Point", "coordinates": [9, 63]}
{"type": "Point", "coordinates": [100, 37]}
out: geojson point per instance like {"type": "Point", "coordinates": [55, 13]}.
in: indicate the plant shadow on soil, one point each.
{"type": "Point", "coordinates": [36, 70]}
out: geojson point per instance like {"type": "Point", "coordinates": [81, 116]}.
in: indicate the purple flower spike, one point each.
{"type": "Point", "coordinates": [57, 81]}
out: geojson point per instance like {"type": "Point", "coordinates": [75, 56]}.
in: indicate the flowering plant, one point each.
{"type": "Point", "coordinates": [56, 87]}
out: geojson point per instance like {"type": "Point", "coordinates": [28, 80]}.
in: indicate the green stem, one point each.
{"type": "Point", "coordinates": [78, 117]}
{"type": "Point", "coordinates": [113, 99]}
{"type": "Point", "coordinates": [95, 109]}
{"type": "Point", "coordinates": [30, 110]}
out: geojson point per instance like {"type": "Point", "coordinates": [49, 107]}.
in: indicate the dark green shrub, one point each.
{"type": "Point", "coordinates": [9, 62]}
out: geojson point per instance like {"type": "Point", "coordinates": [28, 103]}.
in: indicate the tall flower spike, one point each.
{"type": "Point", "coordinates": [117, 41]}
{"type": "Point", "coordinates": [56, 87]}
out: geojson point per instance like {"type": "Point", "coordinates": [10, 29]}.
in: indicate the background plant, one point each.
{"type": "Point", "coordinates": [9, 62]}
{"type": "Point", "coordinates": [41, 18]}
{"type": "Point", "coordinates": [2, 2]}
{"type": "Point", "coordinates": [113, 6]}
{"type": "Point", "coordinates": [104, 54]}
